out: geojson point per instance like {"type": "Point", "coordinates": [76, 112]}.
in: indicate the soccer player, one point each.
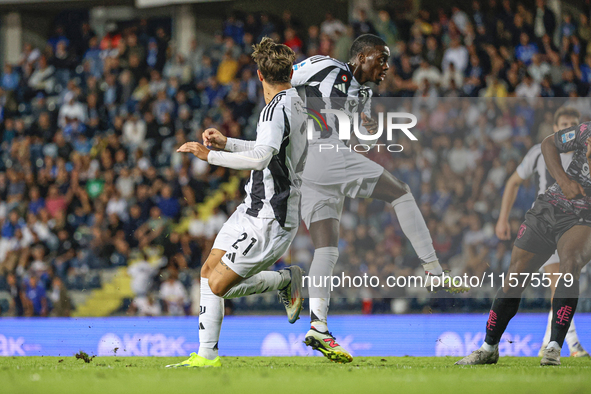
{"type": "Point", "coordinates": [349, 174]}
{"type": "Point", "coordinates": [560, 219]}
{"type": "Point", "coordinates": [533, 163]}
{"type": "Point", "coordinates": [265, 224]}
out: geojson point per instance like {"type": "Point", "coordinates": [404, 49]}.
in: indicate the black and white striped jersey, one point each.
{"type": "Point", "coordinates": [331, 78]}
{"type": "Point", "coordinates": [274, 192]}
{"type": "Point", "coordinates": [533, 163]}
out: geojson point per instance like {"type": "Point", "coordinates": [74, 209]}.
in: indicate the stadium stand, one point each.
{"type": "Point", "coordinates": [98, 209]}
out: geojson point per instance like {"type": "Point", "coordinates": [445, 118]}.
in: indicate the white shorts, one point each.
{"type": "Point", "coordinates": [252, 244]}
{"type": "Point", "coordinates": [554, 259]}
{"type": "Point", "coordinates": [330, 176]}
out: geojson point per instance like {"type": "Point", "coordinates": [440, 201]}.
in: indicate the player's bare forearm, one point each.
{"type": "Point", "coordinates": [502, 229]}
{"type": "Point", "coordinates": [570, 188]}
{"type": "Point", "coordinates": [509, 196]}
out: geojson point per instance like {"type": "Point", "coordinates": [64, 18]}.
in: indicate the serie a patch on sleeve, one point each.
{"type": "Point", "coordinates": [568, 137]}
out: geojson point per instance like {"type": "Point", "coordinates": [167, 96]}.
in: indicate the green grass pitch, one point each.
{"type": "Point", "coordinates": [291, 375]}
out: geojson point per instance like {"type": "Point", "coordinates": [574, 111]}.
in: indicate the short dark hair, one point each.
{"type": "Point", "coordinates": [363, 42]}
{"type": "Point", "coordinates": [275, 61]}
{"type": "Point", "coordinates": [566, 111]}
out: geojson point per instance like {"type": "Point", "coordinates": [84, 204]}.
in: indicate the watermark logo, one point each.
{"type": "Point", "coordinates": [343, 124]}
{"type": "Point", "coordinates": [318, 118]}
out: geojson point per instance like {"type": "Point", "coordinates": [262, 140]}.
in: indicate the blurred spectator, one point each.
{"type": "Point", "coordinates": [35, 298]}
{"type": "Point", "coordinates": [62, 305]}
{"type": "Point", "coordinates": [174, 295]}
{"type": "Point", "coordinates": [362, 25]}
{"type": "Point", "coordinates": [16, 296]}
{"type": "Point", "coordinates": [330, 26]}
{"type": "Point", "coordinates": [142, 274]}
{"type": "Point", "coordinates": [71, 111]}
{"type": "Point", "coordinates": [145, 306]}
{"type": "Point", "coordinates": [10, 78]}
{"type": "Point", "coordinates": [457, 55]}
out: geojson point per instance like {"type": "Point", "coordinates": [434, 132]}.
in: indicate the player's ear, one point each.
{"type": "Point", "coordinates": [291, 74]}
{"type": "Point", "coordinates": [260, 75]}
{"type": "Point", "coordinates": [361, 58]}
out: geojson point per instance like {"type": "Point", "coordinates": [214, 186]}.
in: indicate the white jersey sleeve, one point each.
{"type": "Point", "coordinates": [271, 125]}
{"type": "Point", "coordinates": [238, 145]}
{"type": "Point", "coordinates": [256, 155]}
{"type": "Point", "coordinates": [527, 167]}
{"type": "Point", "coordinates": [256, 159]}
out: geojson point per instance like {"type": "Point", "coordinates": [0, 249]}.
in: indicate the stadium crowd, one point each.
{"type": "Point", "coordinates": [90, 178]}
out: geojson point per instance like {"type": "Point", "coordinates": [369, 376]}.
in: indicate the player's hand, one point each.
{"type": "Point", "coordinates": [370, 124]}
{"type": "Point", "coordinates": [503, 230]}
{"type": "Point", "coordinates": [213, 138]}
{"type": "Point", "coordinates": [588, 143]}
{"type": "Point", "coordinates": [572, 189]}
{"type": "Point", "coordinates": [195, 148]}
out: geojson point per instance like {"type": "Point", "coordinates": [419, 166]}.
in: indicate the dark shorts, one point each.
{"type": "Point", "coordinates": [544, 225]}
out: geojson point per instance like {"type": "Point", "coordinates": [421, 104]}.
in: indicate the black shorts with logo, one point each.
{"type": "Point", "coordinates": [544, 225]}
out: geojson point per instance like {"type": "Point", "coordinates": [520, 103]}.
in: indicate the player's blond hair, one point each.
{"type": "Point", "coordinates": [275, 61]}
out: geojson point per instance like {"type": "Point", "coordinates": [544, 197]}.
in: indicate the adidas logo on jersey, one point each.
{"type": "Point", "coordinates": [342, 87]}
{"type": "Point", "coordinates": [231, 256]}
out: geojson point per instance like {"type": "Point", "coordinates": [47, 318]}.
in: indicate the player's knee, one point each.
{"type": "Point", "coordinates": [572, 262]}
{"type": "Point", "coordinates": [405, 188]}
{"type": "Point", "coordinates": [205, 270]}
{"type": "Point", "coordinates": [217, 288]}
{"type": "Point", "coordinates": [400, 189]}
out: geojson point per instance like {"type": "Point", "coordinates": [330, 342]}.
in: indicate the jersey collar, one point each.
{"type": "Point", "coordinates": [354, 82]}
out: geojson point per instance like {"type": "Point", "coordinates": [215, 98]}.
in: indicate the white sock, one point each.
{"type": "Point", "coordinates": [322, 266]}
{"type": "Point", "coordinates": [572, 339]}
{"type": "Point", "coordinates": [260, 283]}
{"type": "Point", "coordinates": [548, 330]}
{"type": "Point", "coordinates": [414, 227]}
{"type": "Point", "coordinates": [554, 345]}
{"type": "Point", "coordinates": [319, 326]}
{"type": "Point", "coordinates": [433, 268]}
{"type": "Point", "coordinates": [489, 348]}
{"type": "Point", "coordinates": [211, 315]}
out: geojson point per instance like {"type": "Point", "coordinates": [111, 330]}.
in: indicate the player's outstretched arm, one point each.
{"type": "Point", "coordinates": [257, 158]}
{"type": "Point", "coordinates": [503, 229]}
{"type": "Point", "coordinates": [570, 188]}
{"type": "Point", "coordinates": [215, 139]}
{"type": "Point", "coordinates": [195, 148]}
